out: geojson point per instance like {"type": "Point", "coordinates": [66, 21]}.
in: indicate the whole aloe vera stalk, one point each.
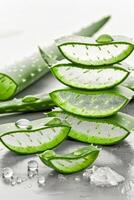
{"type": "Point", "coordinates": [106, 131]}
{"type": "Point", "coordinates": [29, 103]}
{"type": "Point", "coordinates": [23, 73]}
{"type": "Point", "coordinates": [34, 137]}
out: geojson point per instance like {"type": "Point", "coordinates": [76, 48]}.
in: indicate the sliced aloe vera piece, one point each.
{"type": "Point", "coordinates": [38, 136]}
{"type": "Point", "coordinates": [90, 78]}
{"type": "Point", "coordinates": [29, 103]}
{"type": "Point", "coordinates": [92, 103]}
{"type": "Point", "coordinates": [107, 131]}
{"type": "Point", "coordinates": [23, 72]}
{"type": "Point", "coordinates": [72, 162]}
{"type": "Point", "coordinates": [87, 51]}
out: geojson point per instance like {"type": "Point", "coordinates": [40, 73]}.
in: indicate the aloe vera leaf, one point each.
{"type": "Point", "coordinates": [29, 103]}
{"type": "Point", "coordinates": [42, 135]}
{"type": "Point", "coordinates": [87, 51]}
{"type": "Point", "coordinates": [92, 103]}
{"type": "Point", "coordinates": [107, 131]}
{"type": "Point", "coordinates": [129, 82]}
{"type": "Point", "coordinates": [89, 78]}
{"type": "Point", "coordinates": [72, 162]}
{"type": "Point", "coordinates": [19, 75]}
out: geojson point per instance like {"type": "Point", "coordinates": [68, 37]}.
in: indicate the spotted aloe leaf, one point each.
{"type": "Point", "coordinates": [90, 78]}
{"type": "Point", "coordinates": [23, 72]}
{"type": "Point", "coordinates": [107, 131]}
{"type": "Point", "coordinates": [87, 51]}
{"type": "Point", "coordinates": [72, 162]}
{"type": "Point", "coordinates": [41, 135]}
{"type": "Point", "coordinates": [29, 103]}
{"type": "Point", "coordinates": [92, 103]}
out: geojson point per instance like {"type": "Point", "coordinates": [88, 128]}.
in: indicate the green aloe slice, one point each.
{"type": "Point", "coordinates": [18, 75]}
{"type": "Point", "coordinates": [87, 51]}
{"type": "Point", "coordinates": [72, 162]}
{"type": "Point", "coordinates": [92, 103]}
{"type": "Point", "coordinates": [38, 136]}
{"type": "Point", "coordinates": [107, 131]}
{"type": "Point", "coordinates": [90, 78]}
{"type": "Point", "coordinates": [29, 103]}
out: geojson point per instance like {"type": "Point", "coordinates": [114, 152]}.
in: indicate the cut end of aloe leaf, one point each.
{"type": "Point", "coordinates": [39, 137]}
{"type": "Point", "coordinates": [87, 51]}
{"type": "Point", "coordinates": [92, 103]}
{"type": "Point", "coordinates": [108, 131]}
{"type": "Point", "coordinates": [70, 163]}
{"type": "Point", "coordinates": [89, 78]}
{"type": "Point", "coordinates": [7, 87]}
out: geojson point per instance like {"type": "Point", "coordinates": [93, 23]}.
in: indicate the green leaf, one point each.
{"type": "Point", "coordinates": [40, 137]}
{"type": "Point", "coordinates": [72, 162]}
{"type": "Point", "coordinates": [93, 78]}
{"type": "Point", "coordinates": [86, 51]}
{"type": "Point", "coordinates": [105, 131]}
{"type": "Point", "coordinates": [92, 103]}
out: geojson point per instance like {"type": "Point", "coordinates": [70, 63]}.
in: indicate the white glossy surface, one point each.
{"type": "Point", "coordinates": [26, 24]}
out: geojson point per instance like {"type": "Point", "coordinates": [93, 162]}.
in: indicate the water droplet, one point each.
{"type": "Point", "coordinates": [86, 176]}
{"type": "Point", "coordinates": [23, 123]}
{"type": "Point", "coordinates": [24, 179]}
{"type": "Point", "coordinates": [18, 180]}
{"type": "Point", "coordinates": [29, 98]}
{"type": "Point", "coordinates": [13, 182]}
{"type": "Point", "coordinates": [7, 173]}
{"type": "Point", "coordinates": [41, 181]}
{"type": "Point", "coordinates": [61, 178]}
{"type": "Point", "coordinates": [32, 168]}
{"type": "Point", "coordinates": [77, 178]}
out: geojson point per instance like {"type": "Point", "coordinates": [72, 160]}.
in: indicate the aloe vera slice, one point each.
{"type": "Point", "coordinates": [41, 135]}
{"type": "Point", "coordinates": [72, 162]}
{"type": "Point", "coordinates": [29, 103]}
{"type": "Point", "coordinates": [107, 131]}
{"type": "Point", "coordinates": [89, 78]}
{"type": "Point", "coordinates": [17, 76]}
{"type": "Point", "coordinates": [92, 103]}
{"type": "Point", "coordinates": [87, 51]}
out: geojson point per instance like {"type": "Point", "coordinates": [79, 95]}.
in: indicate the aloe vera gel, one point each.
{"type": "Point", "coordinates": [93, 72]}
{"type": "Point", "coordinates": [28, 137]}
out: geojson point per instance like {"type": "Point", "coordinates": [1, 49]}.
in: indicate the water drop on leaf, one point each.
{"type": "Point", "coordinates": [105, 38]}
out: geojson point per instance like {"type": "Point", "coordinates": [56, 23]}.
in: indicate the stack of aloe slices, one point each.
{"type": "Point", "coordinates": [93, 73]}
{"type": "Point", "coordinates": [30, 137]}
{"type": "Point", "coordinates": [22, 73]}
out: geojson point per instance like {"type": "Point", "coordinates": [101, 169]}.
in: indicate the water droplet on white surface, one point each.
{"type": "Point", "coordinates": [18, 180]}
{"type": "Point", "coordinates": [7, 173]}
{"type": "Point", "coordinates": [13, 182]}
{"type": "Point", "coordinates": [23, 123]}
{"type": "Point", "coordinates": [32, 168]}
{"type": "Point", "coordinates": [77, 179]}
{"type": "Point", "coordinates": [61, 178]}
{"type": "Point", "coordinates": [41, 181]}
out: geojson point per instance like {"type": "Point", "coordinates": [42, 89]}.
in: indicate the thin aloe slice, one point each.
{"type": "Point", "coordinates": [129, 82]}
{"type": "Point", "coordinates": [29, 103]}
{"type": "Point", "coordinates": [72, 162]}
{"type": "Point", "coordinates": [38, 136]}
{"type": "Point", "coordinates": [23, 72]}
{"type": "Point", "coordinates": [87, 51]}
{"type": "Point", "coordinates": [92, 103]}
{"type": "Point", "coordinates": [90, 78]}
{"type": "Point", "coordinates": [107, 131]}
